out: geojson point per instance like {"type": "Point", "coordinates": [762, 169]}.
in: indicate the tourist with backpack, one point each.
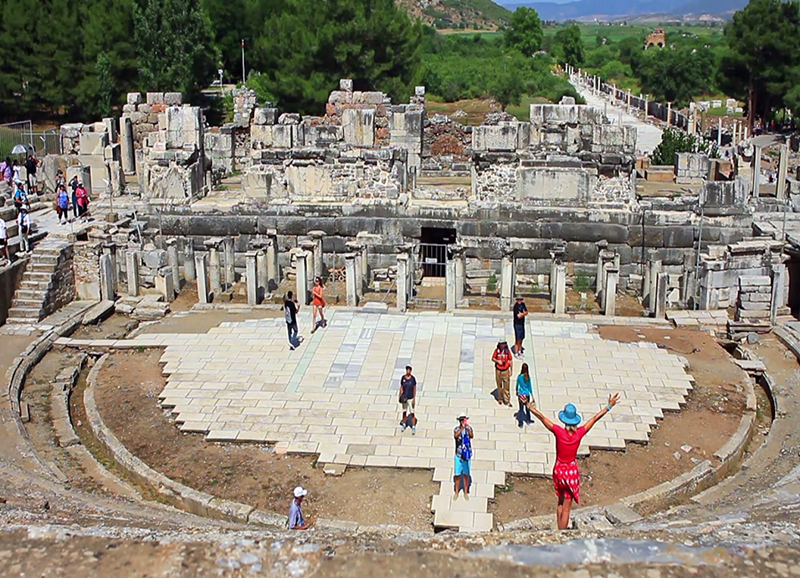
{"type": "Point", "coordinates": [463, 435]}
{"type": "Point", "coordinates": [408, 394]}
{"type": "Point", "coordinates": [290, 309]}
{"type": "Point", "coordinates": [503, 365]}
{"type": "Point", "coordinates": [20, 198]}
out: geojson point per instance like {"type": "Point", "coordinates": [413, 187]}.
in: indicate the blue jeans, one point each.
{"type": "Point", "coordinates": [523, 412]}
{"type": "Point", "coordinates": [292, 329]}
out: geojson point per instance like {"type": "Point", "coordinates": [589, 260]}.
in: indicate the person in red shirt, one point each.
{"type": "Point", "coordinates": [566, 475]}
{"type": "Point", "coordinates": [503, 365]}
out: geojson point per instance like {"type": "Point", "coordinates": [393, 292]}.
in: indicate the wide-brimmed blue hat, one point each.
{"type": "Point", "coordinates": [569, 415]}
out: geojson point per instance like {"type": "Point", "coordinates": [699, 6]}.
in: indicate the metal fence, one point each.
{"type": "Point", "coordinates": [15, 133]}
{"type": "Point", "coordinates": [433, 259]}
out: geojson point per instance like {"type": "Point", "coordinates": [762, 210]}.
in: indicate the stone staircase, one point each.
{"type": "Point", "coordinates": [34, 298]}
{"type": "Point", "coordinates": [461, 514]}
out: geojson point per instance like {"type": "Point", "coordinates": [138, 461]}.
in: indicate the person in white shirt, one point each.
{"type": "Point", "coordinates": [4, 240]}
{"type": "Point", "coordinates": [24, 222]}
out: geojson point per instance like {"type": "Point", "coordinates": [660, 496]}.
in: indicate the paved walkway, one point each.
{"type": "Point", "coordinates": [336, 395]}
{"type": "Point", "coordinates": [648, 136]}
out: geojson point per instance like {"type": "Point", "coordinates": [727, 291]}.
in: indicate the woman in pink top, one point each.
{"type": "Point", "coordinates": [566, 475]}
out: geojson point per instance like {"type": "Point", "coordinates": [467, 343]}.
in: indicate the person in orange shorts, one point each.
{"type": "Point", "coordinates": [566, 475]}
{"type": "Point", "coordinates": [318, 305]}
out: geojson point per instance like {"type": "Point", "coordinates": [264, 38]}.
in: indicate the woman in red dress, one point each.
{"type": "Point", "coordinates": [566, 475]}
{"type": "Point", "coordinates": [318, 304]}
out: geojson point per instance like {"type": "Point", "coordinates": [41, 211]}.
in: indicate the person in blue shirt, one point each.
{"type": "Point", "coordinates": [296, 521]}
{"type": "Point", "coordinates": [524, 394]}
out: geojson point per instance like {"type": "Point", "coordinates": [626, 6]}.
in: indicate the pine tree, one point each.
{"type": "Point", "coordinates": [175, 40]}
{"type": "Point", "coordinates": [306, 49]}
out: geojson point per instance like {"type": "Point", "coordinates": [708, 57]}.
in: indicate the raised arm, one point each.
{"type": "Point", "coordinates": [540, 416]}
{"type": "Point", "coordinates": [612, 401]}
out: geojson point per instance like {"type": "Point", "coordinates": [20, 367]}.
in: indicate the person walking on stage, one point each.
{"type": "Point", "coordinates": [566, 475]}
{"type": "Point", "coordinates": [520, 312]}
{"type": "Point", "coordinates": [503, 365]}
{"type": "Point", "coordinates": [318, 304]}
{"type": "Point", "coordinates": [524, 395]}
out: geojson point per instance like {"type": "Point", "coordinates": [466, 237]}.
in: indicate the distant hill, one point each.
{"type": "Point", "coordinates": [616, 9]}
{"type": "Point", "coordinates": [472, 14]}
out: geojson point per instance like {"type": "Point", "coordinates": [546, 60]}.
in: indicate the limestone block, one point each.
{"type": "Point", "coordinates": [289, 118]}
{"type": "Point", "coordinates": [155, 98]}
{"type": "Point", "coordinates": [542, 114]}
{"type": "Point", "coordinates": [359, 126]}
{"type": "Point", "coordinates": [500, 138]}
{"type": "Point", "coordinates": [340, 97]}
{"type": "Point", "coordinates": [134, 98]}
{"type": "Point", "coordinates": [265, 116]}
{"type": "Point", "coordinates": [346, 84]}
{"type": "Point", "coordinates": [154, 259]}
{"type": "Point", "coordinates": [283, 136]}
{"type": "Point", "coordinates": [320, 136]}
{"type": "Point", "coordinates": [93, 143]}
{"type": "Point", "coordinates": [184, 126]}
{"type": "Point", "coordinates": [173, 98]}
{"type": "Point", "coordinates": [261, 136]}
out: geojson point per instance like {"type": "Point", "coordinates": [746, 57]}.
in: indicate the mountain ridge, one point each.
{"type": "Point", "coordinates": [616, 9]}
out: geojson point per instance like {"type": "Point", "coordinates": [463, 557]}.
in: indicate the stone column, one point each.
{"type": "Point", "coordinates": [507, 279]}
{"type": "Point", "coordinates": [556, 258]}
{"type": "Point", "coordinates": [111, 129]}
{"type": "Point", "coordinates": [610, 290]}
{"type": "Point", "coordinates": [560, 301]}
{"type": "Point", "coordinates": [262, 278]}
{"type": "Point", "coordinates": [132, 266]}
{"type": "Point", "coordinates": [273, 270]}
{"type": "Point", "coordinates": [188, 261]}
{"type": "Point", "coordinates": [355, 247]}
{"type": "Point", "coordinates": [669, 114]}
{"type": "Point", "coordinates": [215, 273]}
{"type": "Point", "coordinates": [319, 261]}
{"type": "Point", "coordinates": [719, 133]}
{"type": "Point", "coordinates": [352, 278]}
{"type": "Point", "coordinates": [450, 285]}
{"type": "Point", "coordinates": [660, 305]}
{"type": "Point", "coordinates": [602, 259]}
{"type": "Point", "coordinates": [107, 286]}
{"type": "Point", "coordinates": [301, 277]}
{"type": "Point", "coordinates": [251, 268]}
{"type": "Point", "coordinates": [201, 268]}
{"type": "Point", "coordinates": [778, 284]}
{"type": "Point", "coordinates": [688, 279]}
{"type": "Point", "coordinates": [460, 272]}
{"type": "Point", "coordinates": [780, 184]}
{"type": "Point", "coordinates": [308, 247]}
{"type": "Point", "coordinates": [110, 249]}
{"type": "Point", "coordinates": [172, 261]}
{"type": "Point", "coordinates": [126, 146]}
{"type": "Point", "coordinates": [364, 255]}
{"type": "Point", "coordinates": [165, 285]}
{"type": "Point", "coordinates": [230, 262]}
{"type": "Point", "coordinates": [402, 282]}
{"type": "Point", "coordinates": [756, 169]}
{"type": "Point", "coordinates": [655, 271]}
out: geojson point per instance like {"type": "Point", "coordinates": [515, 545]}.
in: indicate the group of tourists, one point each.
{"type": "Point", "coordinates": [568, 435]}
{"type": "Point", "coordinates": [80, 199]}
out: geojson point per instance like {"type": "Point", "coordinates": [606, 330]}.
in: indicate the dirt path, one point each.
{"type": "Point", "coordinates": [711, 416]}
{"type": "Point", "coordinates": [253, 474]}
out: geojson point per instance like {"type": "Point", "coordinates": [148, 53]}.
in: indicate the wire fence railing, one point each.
{"type": "Point", "coordinates": [21, 133]}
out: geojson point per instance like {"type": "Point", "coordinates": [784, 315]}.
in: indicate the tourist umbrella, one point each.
{"type": "Point", "coordinates": [21, 149]}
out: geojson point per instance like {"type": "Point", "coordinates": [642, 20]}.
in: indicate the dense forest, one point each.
{"type": "Point", "coordinates": [78, 58]}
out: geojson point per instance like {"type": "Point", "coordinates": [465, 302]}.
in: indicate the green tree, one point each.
{"type": "Point", "coordinates": [305, 50]}
{"type": "Point", "coordinates": [764, 51]}
{"type": "Point", "coordinates": [677, 75]}
{"type": "Point", "coordinates": [569, 46]}
{"type": "Point", "coordinates": [109, 66]}
{"type": "Point", "coordinates": [524, 32]}
{"type": "Point", "coordinates": [176, 50]}
{"type": "Point", "coordinates": [508, 86]}
{"type": "Point", "coordinates": [675, 141]}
